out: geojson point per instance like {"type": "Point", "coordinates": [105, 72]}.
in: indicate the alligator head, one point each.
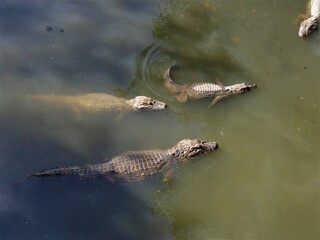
{"type": "Point", "coordinates": [247, 87]}
{"type": "Point", "coordinates": [142, 102]}
{"type": "Point", "coordinates": [193, 147]}
{"type": "Point", "coordinates": [307, 26]}
{"type": "Point", "coordinates": [240, 88]}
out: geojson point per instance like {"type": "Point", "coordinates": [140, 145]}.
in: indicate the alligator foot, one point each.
{"type": "Point", "coordinates": [182, 97]}
{"type": "Point", "coordinates": [167, 177]}
{"type": "Point", "coordinates": [215, 100]}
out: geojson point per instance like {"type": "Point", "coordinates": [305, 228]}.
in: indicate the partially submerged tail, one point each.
{"type": "Point", "coordinates": [169, 83]}
{"type": "Point", "coordinates": [66, 171]}
{"type": "Point", "coordinates": [50, 98]}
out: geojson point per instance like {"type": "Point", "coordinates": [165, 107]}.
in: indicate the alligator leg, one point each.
{"type": "Point", "coordinates": [219, 83]}
{"type": "Point", "coordinates": [182, 97]}
{"type": "Point", "coordinates": [215, 100]}
{"type": "Point", "coordinates": [167, 176]}
{"type": "Point", "coordinates": [120, 116]}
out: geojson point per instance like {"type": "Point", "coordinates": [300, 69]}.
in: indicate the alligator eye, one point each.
{"type": "Point", "coordinates": [147, 103]}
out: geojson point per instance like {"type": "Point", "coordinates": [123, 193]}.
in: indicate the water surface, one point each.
{"type": "Point", "coordinates": [262, 183]}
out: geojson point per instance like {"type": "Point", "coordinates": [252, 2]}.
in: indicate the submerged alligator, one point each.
{"type": "Point", "coordinates": [313, 14]}
{"type": "Point", "coordinates": [204, 90]}
{"type": "Point", "coordinates": [100, 102]}
{"type": "Point", "coordinates": [135, 165]}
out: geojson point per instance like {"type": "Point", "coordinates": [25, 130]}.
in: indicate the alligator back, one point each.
{"type": "Point", "coordinates": [94, 102]}
{"type": "Point", "coordinates": [131, 165]}
{"type": "Point", "coordinates": [203, 90]}
{"type": "Point", "coordinates": [145, 162]}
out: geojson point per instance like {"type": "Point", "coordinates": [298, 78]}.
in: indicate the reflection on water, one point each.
{"type": "Point", "coordinates": [263, 182]}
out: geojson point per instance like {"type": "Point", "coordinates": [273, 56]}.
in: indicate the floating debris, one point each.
{"type": "Point", "coordinates": [49, 28]}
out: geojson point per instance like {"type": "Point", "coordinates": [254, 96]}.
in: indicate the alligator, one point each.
{"type": "Point", "coordinates": [136, 165]}
{"type": "Point", "coordinates": [204, 89]}
{"type": "Point", "coordinates": [313, 14]}
{"type": "Point", "coordinates": [100, 102]}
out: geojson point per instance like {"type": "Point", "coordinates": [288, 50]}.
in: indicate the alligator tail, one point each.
{"type": "Point", "coordinates": [169, 83]}
{"type": "Point", "coordinates": [67, 171]}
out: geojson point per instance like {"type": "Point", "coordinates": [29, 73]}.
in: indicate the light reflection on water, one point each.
{"type": "Point", "coordinates": [263, 182]}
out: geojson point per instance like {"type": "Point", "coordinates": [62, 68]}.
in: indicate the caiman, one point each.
{"type": "Point", "coordinates": [100, 102]}
{"type": "Point", "coordinates": [204, 89]}
{"type": "Point", "coordinates": [136, 165]}
{"type": "Point", "coordinates": [313, 16]}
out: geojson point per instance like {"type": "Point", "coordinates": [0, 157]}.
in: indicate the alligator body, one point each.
{"type": "Point", "coordinates": [204, 90]}
{"type": "Point", "coordinates": [100, 102]}
{"type": "Point", "coordinates": [135, 165]}
{"type": "Point", "coordinates": [313, 14]}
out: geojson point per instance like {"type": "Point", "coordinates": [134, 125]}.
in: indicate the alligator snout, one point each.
{"type": "Point", "coordinates": [210, 146]}
{"type": "Point", "coordinates": [216, 146]}
{"type": "Point", "coordinates": [159, 105]}
{"type": "Point", "coordinates": [307, 26]}
{"type": "Point", "coordinates": [253, 86]}
{"type": "Point", "coordinates": [143, 102]}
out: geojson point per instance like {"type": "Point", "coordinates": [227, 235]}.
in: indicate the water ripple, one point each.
{"type": "Point", "coordinates": [151, 64]}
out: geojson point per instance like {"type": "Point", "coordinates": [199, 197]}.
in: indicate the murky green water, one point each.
{"type": "Point", "coordinates": [262, 183]}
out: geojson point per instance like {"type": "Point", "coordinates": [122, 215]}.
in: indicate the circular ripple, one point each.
{"type": "Point", "coordinates": [151, 65]}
